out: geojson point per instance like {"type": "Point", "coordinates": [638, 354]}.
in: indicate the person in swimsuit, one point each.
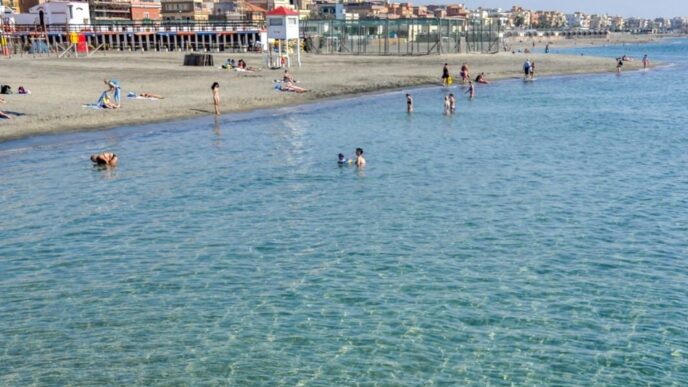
{"type": "Point", "coordinates": [452, 103]}
{"type": "Point", "coordinates": [106, 159]}
{"type": "Point", "coordinates": [360, 160]}
{"type": "Point", "coordinates": [447, 105]}
{"type": "Point", "coordinates": [465, 75]}
{"type": "Point", "coordinates": [445, 75]}
{"type": "Point", "coordinates": [646, 62]}
{"type": "Point", "coordinates": [481, 79]}
{"type": "Point", "coordinates": [409, 103]}
{"type": "Point", "coordinates": [532, 70]}
{"type": "Point", "coordinates": [619, 64]}
{"type": "Point", "coordinates": [470, 90]}
{"type": "Point", "coordinates": [115, 89]}
{"type": "Point", "coordinates": [288, 77]}
{"type": "Point", "coordinates": [216, 97]}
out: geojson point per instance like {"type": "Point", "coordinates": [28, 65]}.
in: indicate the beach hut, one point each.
{"type": "Point", "coordinates": [283, 27]}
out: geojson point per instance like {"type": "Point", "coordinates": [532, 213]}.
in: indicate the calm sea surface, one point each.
{"type": "Point", "coordinates": [540, 236]}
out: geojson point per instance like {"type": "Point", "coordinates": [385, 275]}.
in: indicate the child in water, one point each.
{"type": "Point", "coordinates": [342, 160]}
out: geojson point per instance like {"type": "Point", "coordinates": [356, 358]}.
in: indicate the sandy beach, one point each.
{"type": "Point", "coordinates": [60, 87]}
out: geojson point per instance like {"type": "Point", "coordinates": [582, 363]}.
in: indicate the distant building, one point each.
{"type": "Point", "coordinates": [110, 10]}
{"type": "Point", "coordinates": [184, 10]}
{"type": "Point", "coordinates": [145, 10]}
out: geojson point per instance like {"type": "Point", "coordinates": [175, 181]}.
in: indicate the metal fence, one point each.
{"type": "Point", "coordinates": [398, 37]}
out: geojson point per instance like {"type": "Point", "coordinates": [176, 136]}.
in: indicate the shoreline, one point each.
{"type": "Point", "coordinates": [383, 74]}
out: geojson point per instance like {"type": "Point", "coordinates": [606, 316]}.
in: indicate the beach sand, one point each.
{"type": "Point", "coordinates": [61, 86]}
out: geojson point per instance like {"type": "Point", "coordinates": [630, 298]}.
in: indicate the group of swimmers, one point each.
{"type": "Point", "coordinates": [359, 161]}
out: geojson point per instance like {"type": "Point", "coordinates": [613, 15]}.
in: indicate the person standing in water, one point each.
{"type": "Point", "coordinates": [216, 97]}
{"type": "Point", "coordinates": [619, 65]}
{"type": "Point", "coordinates": [532, 70]}
{"type": "Point", "coordinates": [447, 105]}
{"type": "Point", "coordinates": [471, 90]}
{"type": "Point", "coordinates": [360, 160]}
{"type": "Point", "coordinates": [445, 75]}
{"type": "Point", "coordinates": [646, 62]}
{"type": "Point", "coordinates": [452, 103]}
{"type": "Point", "coordinates": [526, 69]}
{"type": "Point", "coordinates": [409, 103]}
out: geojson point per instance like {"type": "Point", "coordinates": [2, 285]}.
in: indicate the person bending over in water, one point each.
{"type": "Point", "coordinates": [360, 160]}
{"type": "Point", "coordinates": [105, 159]}
{"type": "Point", "coordinates": [619, 64]}
{"type": "Point", "coordinates": [409, 103]}
{"type": "Point", "coordinates": [216, 97]}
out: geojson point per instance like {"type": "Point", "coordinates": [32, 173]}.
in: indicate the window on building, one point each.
{"type": "Point", "coordinates": [276, 21]}
{"type": "Point", "coordinates": [292, 20]}
{"type": "Point", "coordinates": [146, 15]}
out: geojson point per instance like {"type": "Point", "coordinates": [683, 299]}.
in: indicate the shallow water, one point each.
{"type": "Point", "coordinates": [536, 237]}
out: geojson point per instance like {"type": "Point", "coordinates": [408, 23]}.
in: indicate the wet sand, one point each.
{"type": "Point", "coordinates": [61, 86]}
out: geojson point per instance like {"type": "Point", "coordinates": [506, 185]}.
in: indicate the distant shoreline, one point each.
{"type": "Point", "coordinates": [61, 86]}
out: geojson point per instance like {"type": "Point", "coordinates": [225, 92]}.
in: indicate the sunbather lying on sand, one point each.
{"type": "Point", "coordinates": [288, 86]}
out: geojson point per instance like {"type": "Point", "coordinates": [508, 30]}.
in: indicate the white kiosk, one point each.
{"type": "Point", "coordinates": [283, 25]}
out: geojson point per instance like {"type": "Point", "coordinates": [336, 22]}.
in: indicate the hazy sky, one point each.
{"type": "Point", "coordinates": [639, 8]}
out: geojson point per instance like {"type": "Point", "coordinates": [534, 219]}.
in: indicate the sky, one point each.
{"type": "Point", "coordinates": [626, 8]}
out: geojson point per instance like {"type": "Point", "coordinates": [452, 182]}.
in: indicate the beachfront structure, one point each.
{"type": "Point", "coordinates": [283, 27]}
{"type": "Point", "coordinates": [55, 13]}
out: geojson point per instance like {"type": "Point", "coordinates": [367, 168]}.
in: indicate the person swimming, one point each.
{"type": "Point", "coordinates": [343, 160]}
{"type": "Point", "coordinates": [360, 160]}
{"type": "Point", "coordinates": [105, 159]}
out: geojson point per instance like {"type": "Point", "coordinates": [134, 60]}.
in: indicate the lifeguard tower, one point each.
{"type": "Point", "coordinates": [283, 27]}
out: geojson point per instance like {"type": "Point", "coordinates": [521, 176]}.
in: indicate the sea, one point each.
{"type": "Point", "coordinates": [539, 236]}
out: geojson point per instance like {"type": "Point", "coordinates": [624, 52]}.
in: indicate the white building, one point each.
{"type": "Point", "coordinates": [55, 13]}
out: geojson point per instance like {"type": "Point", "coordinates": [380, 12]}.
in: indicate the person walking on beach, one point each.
{"type": "Point", "coordinates": [360, 160]}
{"type": "Point", "coordinates": [409, 103]}
{"type": "Point", "coordinates": [445, 75]}
{"type": "Point", "coordinates": [452, 103]}
{"type": "Point", "coordinates": [216, 97]}
{"type": "Point", "coordinates": [547, 48]}
{"type": "Point", "coordinates": [465, 75]}
{"type": "Point", "coordinates": [646, 62]}
{"type": "Point", "coordinates": [471, 90]}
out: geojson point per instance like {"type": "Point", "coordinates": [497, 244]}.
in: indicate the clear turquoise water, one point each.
{"type": "Point", "coordinates": [538, 237]}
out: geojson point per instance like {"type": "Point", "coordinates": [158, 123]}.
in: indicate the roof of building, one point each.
{"type": "Point", "coordinates": [255, 8]}
{"type": "Point", "coordinates": [282, 11]}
